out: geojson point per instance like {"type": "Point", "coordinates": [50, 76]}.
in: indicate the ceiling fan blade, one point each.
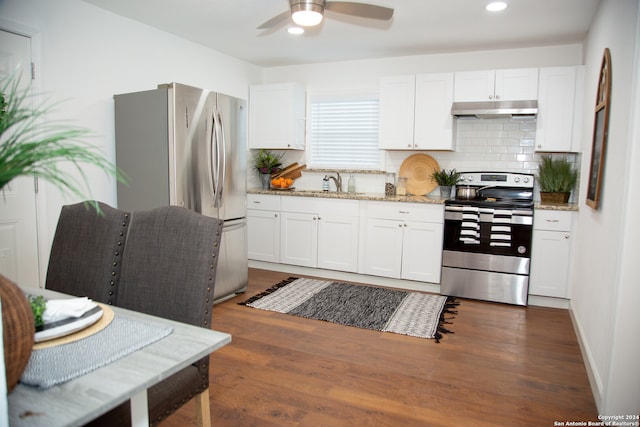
{"type": "Point", "coordinates": [360, 9]}
{"type": "Point", "coordinates": [275, 20]}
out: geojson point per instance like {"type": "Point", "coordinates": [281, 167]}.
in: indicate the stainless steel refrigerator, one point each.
{"type": "Point", "coordinates": [186, 146]}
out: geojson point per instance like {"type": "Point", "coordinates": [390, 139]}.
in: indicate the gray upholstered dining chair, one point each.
{"type": "Point", "coordinates": [161, 262]}
{"type": "Point", "coordinates": [87, 252]}
{"type": "Point", "coordinates": [169, 271]}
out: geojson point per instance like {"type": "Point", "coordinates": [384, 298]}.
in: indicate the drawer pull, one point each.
{"type": "Point", "coordinates": [404, 212]}
{"type": "Point", "coordinates": [552, 220]}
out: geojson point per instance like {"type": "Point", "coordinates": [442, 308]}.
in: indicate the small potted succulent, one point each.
{"type": "Point", "coordinates": [446, 179]}
{"type": "Point", "coordinates": [557, 179]}
{"type": "Point", "coordinates": [266, 163]}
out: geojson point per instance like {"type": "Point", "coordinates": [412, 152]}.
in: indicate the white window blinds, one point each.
{"type": "Point", "coordinates": [344, 132]}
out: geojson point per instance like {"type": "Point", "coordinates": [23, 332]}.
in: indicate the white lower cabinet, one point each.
{"type": "Point", "coordinates": [263, 225]}
{"type": "Point", "coordinates": [551, 254]}
{"type": "Point", "coordinates": [403, 241]}
{"type": "Point", "coordinates": [299, 239]}
{"type": "Point", "coordinates": [320, 233]}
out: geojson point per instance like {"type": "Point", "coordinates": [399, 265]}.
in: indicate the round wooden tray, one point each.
{"type": "Point", "coordinates": [418, 169]}
{"type": "Point", "coordinates": [102, 323]}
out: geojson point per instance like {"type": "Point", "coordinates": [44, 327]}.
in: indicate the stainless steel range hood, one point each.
{"type": "Point", "coordinates": [495, 109]}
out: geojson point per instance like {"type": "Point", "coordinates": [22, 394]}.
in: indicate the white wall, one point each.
{"type": "Point", "coordinates": [606, 290]}
{"type": "Point", "coordinates": [85, 55]}
{"type": "Point", "coordinates": [366, 73]}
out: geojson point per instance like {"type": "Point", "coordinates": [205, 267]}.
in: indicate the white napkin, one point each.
{"type": "Point", "coordinates": [58, 309]}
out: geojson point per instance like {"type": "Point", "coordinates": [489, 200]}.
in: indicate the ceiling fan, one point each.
{"type": "Point", "coordinates": [308, 13]}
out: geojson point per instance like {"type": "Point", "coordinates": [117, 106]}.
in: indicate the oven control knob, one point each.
{"type": "Point", "coordinates": [516, 179]}
{"type": "Point", "coordinates": [526, 179]}
{"type": "Point", "coordinates": [470, 178]}
{"type": "Point", "coordinates": [522, 249]}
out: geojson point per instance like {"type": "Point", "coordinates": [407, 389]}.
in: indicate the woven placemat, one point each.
{"type": "Point", "coordinates": [103, 322]}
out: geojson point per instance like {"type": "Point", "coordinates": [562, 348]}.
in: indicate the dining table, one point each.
{"type": "Point", "coordinates": [81, 399]}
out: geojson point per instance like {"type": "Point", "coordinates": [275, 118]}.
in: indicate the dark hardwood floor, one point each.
{"type": "Point", "coordinates": [503, 366]}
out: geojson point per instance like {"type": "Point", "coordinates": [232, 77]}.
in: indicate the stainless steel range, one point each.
{"type": "Point", "coordinates": [487, 238]}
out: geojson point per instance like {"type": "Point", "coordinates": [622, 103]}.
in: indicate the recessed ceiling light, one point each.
{"type": "Point", "coordinates": [295, 30]}
{"type": "Point", "coordinates": [496, 6]}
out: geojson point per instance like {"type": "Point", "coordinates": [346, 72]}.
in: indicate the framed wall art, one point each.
{"type": "Point", "coordinates": [600, 132]}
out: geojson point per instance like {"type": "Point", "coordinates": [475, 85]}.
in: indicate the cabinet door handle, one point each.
{"type": "Point", "coordinates": [256, 202]}
{"type": "Point", "coordinates": [566, 236]}
{"type": "Point", "coordinates": [275, 215]}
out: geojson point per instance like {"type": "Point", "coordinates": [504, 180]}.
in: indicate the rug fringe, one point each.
{"type": "Point", "coordinates": [449, 305]}
{"type": "Point", "coordinates": [268, 291]}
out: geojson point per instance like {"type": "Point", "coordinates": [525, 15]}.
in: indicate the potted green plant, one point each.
{"type": "Point", "coordinates": [556, 179]}
{"type": "Point", "coordinates": [34, 146]}
{"type": "Point", "coordinates": [445, 180]}
{"type": "Point", "coordinates": [266, 163]}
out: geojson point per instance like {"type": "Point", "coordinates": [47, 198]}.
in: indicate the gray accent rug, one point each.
{"type": "Point", "coordinates": [381, 309]}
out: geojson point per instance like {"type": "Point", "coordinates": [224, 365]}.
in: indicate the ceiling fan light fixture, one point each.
{"type": "Point", "coordinates": [306, 14]}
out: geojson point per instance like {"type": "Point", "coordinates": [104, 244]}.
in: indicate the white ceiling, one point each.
{"type": "Point", "coordinates": [417, 27]}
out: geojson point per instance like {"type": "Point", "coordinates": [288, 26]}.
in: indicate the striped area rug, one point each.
{"type": "Point", "coordinates": [382, 309]}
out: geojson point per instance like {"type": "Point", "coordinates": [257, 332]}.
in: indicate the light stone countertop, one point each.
{"type": "Point", "coordinates": [381, 197]}
{"type": "Point", "coordinates": [552, 207]}
{"type": "Point", "coordinates": [349, 196]}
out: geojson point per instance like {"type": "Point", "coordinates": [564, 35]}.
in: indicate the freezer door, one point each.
{"type": "Point", "coordinates": [233, 265]}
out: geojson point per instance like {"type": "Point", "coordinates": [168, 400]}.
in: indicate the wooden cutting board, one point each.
{"type": "Point", "coordinates": [294, 172]}
{"type": "Point", "coordinates": [289, 168]}
{"type": "Point", "coordinates": [418, 169]}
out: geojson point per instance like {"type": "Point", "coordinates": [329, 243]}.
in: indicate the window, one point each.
{"type": "Point", "coordinates": [343, 132]}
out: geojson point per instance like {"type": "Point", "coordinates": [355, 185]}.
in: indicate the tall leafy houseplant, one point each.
{"type": "Point", "coordinates": [556, 178]}
{"type": "Point", "coordinates": [31, 145]}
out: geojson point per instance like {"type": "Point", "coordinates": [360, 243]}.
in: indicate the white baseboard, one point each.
{"type": "Point", "coordinates": [550, 302]}
{"type": "Point", "coordinates": [386, 281]}
{"type": "Point", "coordinates": [348, 277]}
{"type": "Point", "coordinates": [594, 379]}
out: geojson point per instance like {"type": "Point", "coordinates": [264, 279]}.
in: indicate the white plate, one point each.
{"type": "Point", "coordinates": [69, 325]}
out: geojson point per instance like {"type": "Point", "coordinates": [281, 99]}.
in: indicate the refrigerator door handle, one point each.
{"type": "Point", "coordinates": [217, 163]}
{"type": "Point", "coordinates": [212, 159]}
{"type": "Point", "coordinates": [222, 159]}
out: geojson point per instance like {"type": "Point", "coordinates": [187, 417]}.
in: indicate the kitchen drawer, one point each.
{"type": "Point", "coordinates": [406, 211]}
{"type": "Point", "coordinates": [263, 202]}
{"type": "Point", "coordinates": [552, 220]}
{"type": "Point", "coordinates": [320, 206]}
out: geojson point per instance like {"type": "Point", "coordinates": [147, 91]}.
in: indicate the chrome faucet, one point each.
{"type": "Point", "coordinates": [338, 181]}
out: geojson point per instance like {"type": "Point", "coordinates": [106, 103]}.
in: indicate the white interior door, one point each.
{"type": "Point", "coordinates": [18, 230]}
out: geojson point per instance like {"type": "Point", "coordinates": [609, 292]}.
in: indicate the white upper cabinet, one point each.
{"type": "Point", "coordinates": [496, 85]}
{"type": "Point", "coordinates": [558, 122]}
{"type": "Point", "coordinates": [277, 116]}
{"type": "Point", "coordinates": [415, 112]}
{"type": "Point", "coordinates": [433, 128]}
{"type": "Point", "coordinates": [397, 105]}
